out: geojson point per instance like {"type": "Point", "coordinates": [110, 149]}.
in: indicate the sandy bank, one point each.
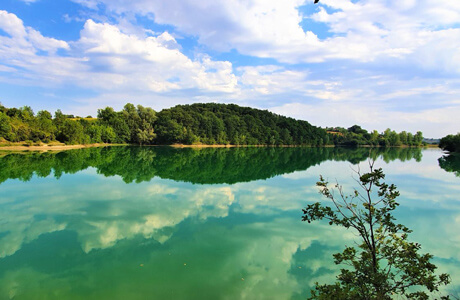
{"type": "Point", "coordinates": [46, 147]}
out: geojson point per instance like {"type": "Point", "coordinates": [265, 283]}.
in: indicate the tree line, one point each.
{"type": "Point", "coordinates": [356, 136]}
{"type": "Point", "coordinates": [209, 123]}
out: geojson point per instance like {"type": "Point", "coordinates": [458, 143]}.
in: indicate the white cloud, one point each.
{"type": "Point", "coordinates": [363, 31]}
{"type": "Point", "coordinates": [26, 40]}
{"type": "Point", "coordinates": [250, 27]}
{"type": "Point", "coordinates": [402, 30]}
{"type": "Point", "coordinates": [151, 63]}
{"type": "Point", "coordinates": [12, 24]}
{"type": "Point", "coordinates": [46, 44]}
{"type": "Point", "coordinates": [108, 59]}
{"type": "Point", "coordinates": [440, 50]}
{"type": "Point", "coordinates": [268, 80]}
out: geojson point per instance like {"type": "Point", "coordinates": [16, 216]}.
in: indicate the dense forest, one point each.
{"type": "Point", "coordinates": [200, 166]}
{"type": "Point", "coordinates": [208, 123]}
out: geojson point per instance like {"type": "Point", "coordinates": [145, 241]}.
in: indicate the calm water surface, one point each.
{"type": "Point", "coordinates": [162, 223]}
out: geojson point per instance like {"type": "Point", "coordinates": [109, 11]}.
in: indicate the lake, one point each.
{"type": "Point", "coordinates": [166, 223]}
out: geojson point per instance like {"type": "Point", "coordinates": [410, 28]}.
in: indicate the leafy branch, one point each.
{"type": "Point", "coordinates": [385, 263]}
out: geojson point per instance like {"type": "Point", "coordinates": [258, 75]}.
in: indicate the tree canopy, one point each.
{"type": "Point", "coordinates": [450, 143]}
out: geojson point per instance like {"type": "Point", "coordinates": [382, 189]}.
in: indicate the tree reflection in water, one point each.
{"type": "Point", "coordinates": [200, 166]}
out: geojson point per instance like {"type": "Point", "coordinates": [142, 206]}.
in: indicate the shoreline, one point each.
{"type": "Point", "coordinates": [50, 147]}
{"type": "Point", "coordinates": [62, 147]}
{"type": "Point", "coordinates": [238, 146]}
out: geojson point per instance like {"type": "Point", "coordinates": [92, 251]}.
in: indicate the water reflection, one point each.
{"type": "Point", "coordinates": [451, 163]}
{"type": "Point", "coordinates": [193, 241]}
{"type": "Point", "coordinates": [87, 236]}
{"type": "Point", "coordinates": [203, 166]}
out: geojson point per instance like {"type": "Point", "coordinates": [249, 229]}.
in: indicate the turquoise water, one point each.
{"type": "Point", "coordinates": [163, 223]}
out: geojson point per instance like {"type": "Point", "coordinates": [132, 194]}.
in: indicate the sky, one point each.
{"type": "Point", "coordinates": [376, 63]}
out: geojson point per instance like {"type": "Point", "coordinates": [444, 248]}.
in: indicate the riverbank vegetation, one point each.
{"type": "Point", "coordinates": [450, 143]}
{"type": "Point", "coordinates": [209, 124]}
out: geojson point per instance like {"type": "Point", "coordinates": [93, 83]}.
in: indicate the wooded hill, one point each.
{"type": "Point", "coordinates": [232, 124]}
{"type": "Point", "coordinates": [208, 123]}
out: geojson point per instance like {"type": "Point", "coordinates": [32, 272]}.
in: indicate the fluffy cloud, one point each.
{"type": "Point", "coordinates": [361, 31]}
{"type": "Point", "coordinates": [268, 80]}
{"type": "Point", "coordinates": [106, 58]}
{"type": "Point", "coordinates": [23, 41]}
{"type": "Point", "coordinates": [259, 28]}
{"type": "Point", "coordinates": [152, 63]}
{"type": "Point", "coordinates": [406, 29]}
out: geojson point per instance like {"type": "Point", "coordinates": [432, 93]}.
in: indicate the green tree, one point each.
{"type": "Point", "coordinates": [59, 118]}
{"type": "Point", "coordinates": [5, 127]}
{"type": "Point", "coordinates": [45, 125]}
{"type": "Point", "coordinates": [144, 126]}
{"type": "Point", "coordinates": [394, 139]}
{"type": "Point", "coordinates": [403, 137]}
{"type": "Point", "coordinates": [131, 118]}
{"type": "Point", "coordinates": [145, 135]}
{"type": "Point", "coordinates": [108, 134]}
{"type": "Point", "coordinates": [146, 114]}
{"type": "Point", "coordinates": [450, 143]}
{"type": "Point", "coordinates": [386, 262]}
{"type": "Point", "coordinates": [72, 132]}
{"type": "Point", "coordinates": [94, 131]}
{"type": "Point", "coordinates": [374, 138]}
{"type": "Point", "coordinates": [410, 139]}
{"type": "Point", "coordinates": [357, 129]}
{"type": "Point", "coordinates": [118, 121]}
{"type": "Point", "coordinates": [26, 113]}
{"type": "Point", "coordinates": [418, 138]}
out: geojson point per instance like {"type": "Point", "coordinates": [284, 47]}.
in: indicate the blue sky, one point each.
{"type": "Point", "coordinates": [376, 63]}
